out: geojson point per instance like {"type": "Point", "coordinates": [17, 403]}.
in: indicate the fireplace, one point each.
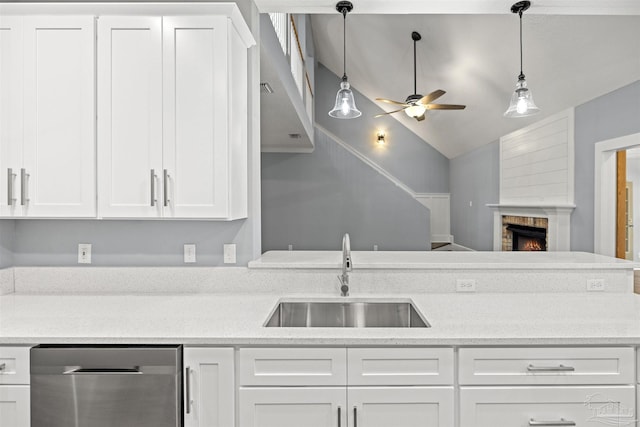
{"type": "Point", "coordinates": [524, 233]}
{"type": "Point", "coordinates": [525, 238]}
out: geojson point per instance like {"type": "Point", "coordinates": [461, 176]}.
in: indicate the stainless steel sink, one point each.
{"type": "Point", "coordinates": [346, 314]}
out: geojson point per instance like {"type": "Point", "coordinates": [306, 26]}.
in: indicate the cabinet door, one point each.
{"type": "Point", "coordinates": [209, 387]}
{"type": "Point", "coordinates": [59, 117]}
{"type": "Point", "coordinates": [579, 406]}
{"type": "Point", "coordinates": [11, 76]}
{"type": "Point", "coordinates": [15, 406]}
{"type": "Point", "coordinates": [293, 407]}
{"type": "Point", "coordinates": [401, 406]}
{"type": "Point", "coordinates": [195, 68]}
{"type": "Point", "coordinates": [130, 116]}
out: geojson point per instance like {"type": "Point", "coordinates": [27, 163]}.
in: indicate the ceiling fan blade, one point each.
{"type": "Point", "coordinates": [390, 112]}
{"type": "Point", "coordinates": [431, 97]}
{"type": "Point", "coordinates": [420, 118]}
{"type": "Point", "coordinates": [445, 107]}
{"type": "Point", "coordinates": [389, 101]}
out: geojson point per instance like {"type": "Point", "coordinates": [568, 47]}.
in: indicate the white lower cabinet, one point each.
{"type": "Point", "coordinates": [400, 406]}
{"type": "Point", "coordinates": [309, 387]}
{"type": "Point", "coordinates": [15, 396]}
{"type": "Point", "coordinates": [209, 387]}
{"type": "Point", "coordinates": [547, 406]}
{"type": "Point", "coordinates": [293, 407]}
{"type": "Point", "coordinates": [352, 406]}
{"type": "Point", "coordinates": [15, 406]}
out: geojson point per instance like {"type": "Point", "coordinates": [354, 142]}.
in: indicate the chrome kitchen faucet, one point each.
{"type": "Point", "coordinates": [346, 265]}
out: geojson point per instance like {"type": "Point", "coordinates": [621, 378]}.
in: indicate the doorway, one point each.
{"type": "Point", "coordinates": [605, 197]}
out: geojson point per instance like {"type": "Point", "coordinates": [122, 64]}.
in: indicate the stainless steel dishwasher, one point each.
{"type": "Point", "coordinates": [106, 386]}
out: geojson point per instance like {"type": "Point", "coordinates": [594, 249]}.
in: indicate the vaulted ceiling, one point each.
{"type": "Point", "coordinates": [470, 50]}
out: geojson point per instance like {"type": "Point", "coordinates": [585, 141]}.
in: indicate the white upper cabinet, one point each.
{"type": "Point", "coordinates": [11, 83]}
{"type": "Point", "coordinates": [129, 116]}
{"type": "Point", "coordinates": [172, 117]}
{"type": "Point", "coordinates": [48, 148]}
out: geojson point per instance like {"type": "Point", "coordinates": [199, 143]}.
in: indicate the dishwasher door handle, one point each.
{"type": "Point", "coordinates": [104, 371]}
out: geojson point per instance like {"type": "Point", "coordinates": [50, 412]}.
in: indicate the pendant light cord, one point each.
{"type": "Point", "coordinates": [521, 76]}
{"type": "Point", "coordinates": [344, 43]}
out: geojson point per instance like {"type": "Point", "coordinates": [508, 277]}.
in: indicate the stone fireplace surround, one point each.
{"type": "Point", "coordinates": [558, 226]}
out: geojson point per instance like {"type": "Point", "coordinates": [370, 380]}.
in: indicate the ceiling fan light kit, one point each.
{"type": "Point", "coordinates": [521, 104]}
{"type": "Point", "coordinates": [416, 105]}
{"type": "Point", "coordinates": [345, 106]}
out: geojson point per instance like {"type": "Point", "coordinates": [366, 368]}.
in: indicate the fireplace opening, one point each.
{"type": "Point", "coordinates": [527, 238]}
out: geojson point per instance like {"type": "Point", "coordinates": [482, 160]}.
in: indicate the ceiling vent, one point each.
{"type": "Point", "coordinates": [295, 136]}
{"type": "Point", "coordinates": [265, 88]}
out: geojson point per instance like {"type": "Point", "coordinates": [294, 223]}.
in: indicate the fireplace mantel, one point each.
{"type": "Point", "coordinates": [559, 216]}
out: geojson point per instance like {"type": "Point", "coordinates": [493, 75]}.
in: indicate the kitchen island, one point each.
{"type": "Point", "coordinates": [551, 331]}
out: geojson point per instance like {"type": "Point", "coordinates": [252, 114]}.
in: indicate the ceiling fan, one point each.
{"type": "Point", "coordinates": [417, 105]}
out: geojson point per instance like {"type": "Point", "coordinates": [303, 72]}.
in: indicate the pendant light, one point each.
{"type": "Point", "coordinates": [521, 104]}
{"type": "Point", "coordinates": [345, 107]}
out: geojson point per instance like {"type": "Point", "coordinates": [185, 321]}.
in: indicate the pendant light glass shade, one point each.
{"type": "Point", "coordinates": [521, 104]}
{"type": "Point", "coordinates": [345, 107]}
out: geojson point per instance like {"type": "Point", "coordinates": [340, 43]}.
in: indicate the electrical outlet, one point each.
{"type": "Point", "coordinates": [375, 247]}
{"type": "Point", "coordinates": [84, 253]}
{"type": "Point", "coordinates": [595, 285]}
{"type": "Point", "coordinates": [465, 285]}
{"type": "Point", "coordinates": [229, 253]}
{"type": "Point", "coordinates": [189, 253]}
{"type": "Point", "coordinates": [290, 247]}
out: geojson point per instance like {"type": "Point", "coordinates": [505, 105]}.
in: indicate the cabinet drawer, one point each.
{"type": "Point", "coordinates": [547, 406]}
{"type": "Point", "coordinates": [607, 365]}
{"type": "Point", "coordinates": [400, 366]}
{"type": "Point", "coordinates": [293, 366]}
{"type": "Point", "coordinates": [14, 365]}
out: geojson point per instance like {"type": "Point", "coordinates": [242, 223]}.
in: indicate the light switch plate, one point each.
{"type": "Point", "coordinates": [190, 253]}
{"type": "Point", "coordinates": [229, 253]}
{"type": "Point", "coordinates": [84, 253]}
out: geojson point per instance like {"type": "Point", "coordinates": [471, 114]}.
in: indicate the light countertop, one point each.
{"type": "Point", "coordinates": [236, 319]}
{"type": "Point", "coordinates": [429, 260]}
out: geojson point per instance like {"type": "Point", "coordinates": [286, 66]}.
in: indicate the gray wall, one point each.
{"type": "Point", "coordinates": [7, 242]}
{"type": "Point", "coordinates": [474, 177]}
{"type": "Point", "coordinates": [127, 243]}
{"type": "Point", "coordinates": [407, 157]}
{"type": "Point", "coordinates": [609, 116]}
{"type": "Point", "coordinates": [311, 200]}
{"type": "Point", "coordinates": [146, 242]}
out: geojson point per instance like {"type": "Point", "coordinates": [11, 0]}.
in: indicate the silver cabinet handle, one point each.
{"type": "Point", "coordinates": [559, 368]}
{"type": "Point", "coordinates": [153, 187]}
{"type": "Point", "coordinates": [10, 176]}
{"type": "Point", "coordinates": [339, 416]}
{"type": "Point", "coordinates": [166, 187]}
{"type": "Point", "coordinates": [187, 386]}
{"type": "Point", "coordinates": [355, 416]}
{"type": "Point", "coordinates": [560, 422]}
{"type": "Point", "coordinates": [23, 186]}
{"type": "Point", "coordinates": [104, 371]}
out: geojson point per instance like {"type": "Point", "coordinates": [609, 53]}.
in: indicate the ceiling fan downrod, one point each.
{"type": "Point", "coordinates": [415, 36]}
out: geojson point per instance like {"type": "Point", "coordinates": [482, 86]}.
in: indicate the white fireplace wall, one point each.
{"type": "Point", "coordinates": [537, 163]}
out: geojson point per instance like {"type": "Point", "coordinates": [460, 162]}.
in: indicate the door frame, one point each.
{"type": "Point", "coordinates": [604, 233]}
